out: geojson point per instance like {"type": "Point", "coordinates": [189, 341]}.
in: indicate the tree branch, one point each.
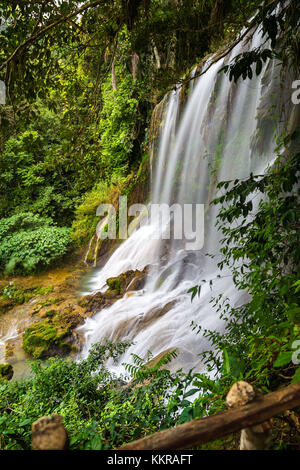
{"type": "Point", "coordinates": [44, 30]}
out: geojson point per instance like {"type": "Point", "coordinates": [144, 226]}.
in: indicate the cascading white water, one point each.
{"type": "Point", "coordinates": [218, 137]}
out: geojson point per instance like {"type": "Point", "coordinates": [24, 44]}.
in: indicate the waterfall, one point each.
{"type": "Point", "coordinates": [224, 132]}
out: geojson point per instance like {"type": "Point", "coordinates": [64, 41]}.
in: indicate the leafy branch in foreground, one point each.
{"type": "Point", "coordinates": [279, 22]}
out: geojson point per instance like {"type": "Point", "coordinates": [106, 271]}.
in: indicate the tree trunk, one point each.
{"type": "Point", "coordinates": [113, 76]}
{"type": "Point", "coordinates": [156, 55]}
{"type": "Point", "coordinates": [134, 63]}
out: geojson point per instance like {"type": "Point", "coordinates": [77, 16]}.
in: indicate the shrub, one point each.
{"type": "Point", "coordinates": [29, 243]}
{"type": "Point", "coordinates": [99, 410]}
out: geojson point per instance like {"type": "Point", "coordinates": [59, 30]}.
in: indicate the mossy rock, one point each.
{"type": "Point", "coordinates": [115, 284]}
{"type": "Point", "coordinates": [52, 336]}
{"type": "Point", "coordinates": [6, 371]}
{"type": "Point", "coordinates": [95, 302]}
{"type": "Point", "coordinates": [118, 286]}
{"type": "Point", "coordinates": [45, 339]}
{"type": "Point", "coordinates": [130, 279]}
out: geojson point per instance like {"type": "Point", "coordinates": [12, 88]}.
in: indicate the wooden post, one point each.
{"type": "Point", "coordinates": [113, 76]}
{"type": "Point", "coordinates": [258, 437]}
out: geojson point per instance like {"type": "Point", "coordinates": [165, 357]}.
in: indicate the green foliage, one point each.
{"type": "Point", "coordinates": [119, 123]}
{"type": "Point", "coordinates": [104, 31]}
{"type": "Point", "coordinates": [66, 173]}
{"type": "Point", "coordinates": [99, 410]}
{"type": "Point", "coordinates": [280, 25]}
{"type": "Point", "coordinates": [242, 64]}
{"type": "Point", "coordinates": [29, 243]}
{"type": "Point", "coordinates": [67, 135]}
{"type": "Point", "coordinates": [25, 222]}
{"type": "Point", "coordinates": [38, 173]}
{"type": "Point", "coordinates": [86, 221]}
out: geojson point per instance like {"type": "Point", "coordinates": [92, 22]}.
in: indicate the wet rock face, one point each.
{"type": "Point", "coordinates": [6, 371]}
{"type": "Point", "coordinates": [48, 433]}
{"type": "Point", "coordinates": [94, 303]}
{"type": "Point", "coordinates": [118, 287]}
{"type": "Point", "coordinates": [55, 334]}
{"type": "Point", "coordinates": [133, 280]}
{"type": "Point", "coordinates": [5, 305]}
{"type": "Point", "coordinates": [46, 302]}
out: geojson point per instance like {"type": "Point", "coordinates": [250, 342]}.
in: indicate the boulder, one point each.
{"type": "Point", "coordinates": [53, 336]}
